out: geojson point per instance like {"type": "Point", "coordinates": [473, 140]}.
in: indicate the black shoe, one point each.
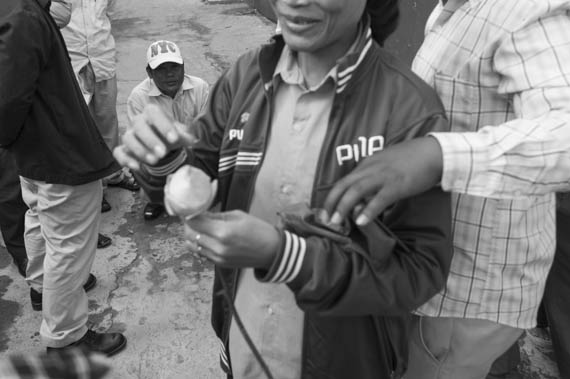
{"type": "Point", "coordinates": [105, 206]}
{"type": "Point", "coordinates": [103, 241]}
{"type": "Point", "coordinates": [153, 211]}
{"type": "Point", "coordinates": [127, 182]}
{"type": "Point", "coordinates": [106, 343]}
{"type": "Point", "coordinates": [36, 296]}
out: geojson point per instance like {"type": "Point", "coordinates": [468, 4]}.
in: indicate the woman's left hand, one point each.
{"type": "Point", "coordinates": [233, 239]}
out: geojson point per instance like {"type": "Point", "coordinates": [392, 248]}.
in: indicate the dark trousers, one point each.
{"type": "Point", "coordinates": [555, 304]}
{"type": "Point", "coordinates": [557, 295]}
{"type": "Point", "coordinates": [505, 367]}
{"type": "Point", "coordinates": [12, 208]}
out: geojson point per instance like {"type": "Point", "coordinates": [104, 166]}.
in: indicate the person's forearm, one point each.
{"type": "Point", "coordinates": [518, 158]}
{"type": "Point", "coordinates": [389, 267]}
{"type": "Point", "coordinates": [529, 154]}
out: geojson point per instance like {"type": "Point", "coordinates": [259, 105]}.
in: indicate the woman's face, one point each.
{"type": "Point", "coordinates": [314, 26]}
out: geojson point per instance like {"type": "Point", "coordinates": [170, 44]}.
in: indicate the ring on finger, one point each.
{"type": "Point", "coordinates": [197, 239]}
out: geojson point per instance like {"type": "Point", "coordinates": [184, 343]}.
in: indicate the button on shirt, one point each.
{"type": "Point", "coordinates": [88, 38]}
{"type": "Point", "coordinates": [501, 70]}
{"type": "Point", "coordinates": [188, 102]}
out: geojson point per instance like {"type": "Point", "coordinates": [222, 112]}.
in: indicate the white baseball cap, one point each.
{"type": "Point", "coordinates": [160, 52]}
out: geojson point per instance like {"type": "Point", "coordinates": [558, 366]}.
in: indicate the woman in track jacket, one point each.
{"type": "Point", "coordinates": [342, 296]}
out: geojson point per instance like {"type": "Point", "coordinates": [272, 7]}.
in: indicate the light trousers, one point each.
{"type": "Point", "coordinates": [456, 348]}
{"type": "Point", "coordinates": [101, 97]}
{"type": "Point", "coordinates": [61, 239]}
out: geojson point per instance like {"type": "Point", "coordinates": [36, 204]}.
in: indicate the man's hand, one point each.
{"type": "Point", "coordinates": [233, 239]}
{"type": "Point", "coordinates": [151, 137]}
{"type": "Point", "coordinates": [398, 172]}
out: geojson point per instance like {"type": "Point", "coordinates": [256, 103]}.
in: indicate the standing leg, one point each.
{"type": "Point", "coordinates": [69, 218]}
{"type": "Point", "coordinates": [12, 211]}
{"type": "Point", "coordinates": [34, 240]}
{"type": "Point", "coordinates": [86, 79]}
{"type": "Point", "coordinates": [103, 108]}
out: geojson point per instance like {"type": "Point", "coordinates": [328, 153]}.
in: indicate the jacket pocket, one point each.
{"type": "Point", "coordinates": [435, 345]}
{"type": "Point", "coordinates": [471, 106]}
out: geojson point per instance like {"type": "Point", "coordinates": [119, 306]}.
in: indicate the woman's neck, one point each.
{"type": "Point", "coordinates": [316, 65]}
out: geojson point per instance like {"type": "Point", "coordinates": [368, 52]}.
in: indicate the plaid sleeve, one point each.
{"type": "Point", "coordinates": [529, 155]}
{"type": "Point", "coordinates": [59, 364]}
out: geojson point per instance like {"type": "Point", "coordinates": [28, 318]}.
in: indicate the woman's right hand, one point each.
{"type": "Point", "coordinates": [152, 136]}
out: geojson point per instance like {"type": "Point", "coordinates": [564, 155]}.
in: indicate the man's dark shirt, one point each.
{"type": "Point", "coordinates": [44, 121]}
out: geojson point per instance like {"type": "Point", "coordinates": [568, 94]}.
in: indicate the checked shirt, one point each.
{"type": "Point", "coordinates": [502, 71]}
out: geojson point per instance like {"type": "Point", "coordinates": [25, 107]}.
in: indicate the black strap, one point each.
{"type": "Point", "coordinates": [44, 4]}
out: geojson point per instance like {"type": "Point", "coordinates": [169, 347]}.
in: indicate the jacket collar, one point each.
{"type": "Point", "coordinates": [346, 66]}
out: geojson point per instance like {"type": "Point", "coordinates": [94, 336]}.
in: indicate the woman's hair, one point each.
{"type": "Point", "coordinates": [384, 15]}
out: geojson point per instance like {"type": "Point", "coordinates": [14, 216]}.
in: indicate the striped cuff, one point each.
{"type": "Point", "coordinates": [224, 361]}
{"type": "Point", "coordinates": [168, 165]}
{"type": "Point", "coordinates": [291, 260]}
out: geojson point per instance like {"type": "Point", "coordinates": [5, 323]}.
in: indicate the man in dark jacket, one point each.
{"type": "Point", "coordinates": [61, 158]}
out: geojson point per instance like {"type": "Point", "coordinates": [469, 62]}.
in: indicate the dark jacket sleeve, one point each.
{"type": "Point", "coordinates": [24, 48]}
{"type": "Point", "coordinates": [388, 267]}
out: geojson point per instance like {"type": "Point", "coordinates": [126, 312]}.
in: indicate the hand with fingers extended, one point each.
{"type": "Point", "coordinates": [400, 171]}
{"type": "Point", "coordinates": [233, 239]}
{"type": "Point", "coordinates": [152, 137]}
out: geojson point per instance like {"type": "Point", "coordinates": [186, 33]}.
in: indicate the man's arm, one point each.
{"type": "Point", "coordinates": [24, 45]}
{"type": "Point", "coordinates": [388, 267]}
{"type": "Point", "coordinates": [531, 154]}
{"type": "Point", "coordinates": [523, 157]}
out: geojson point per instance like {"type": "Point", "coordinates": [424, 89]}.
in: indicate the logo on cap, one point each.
{"type": "Point", "coordinates": [160, 52]}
